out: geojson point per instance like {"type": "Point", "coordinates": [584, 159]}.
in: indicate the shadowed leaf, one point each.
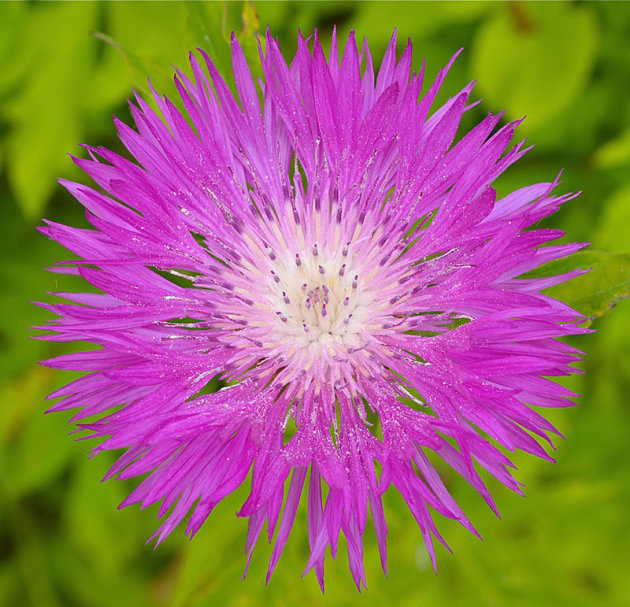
{"type": "Point", "coordinates": [593, 294]}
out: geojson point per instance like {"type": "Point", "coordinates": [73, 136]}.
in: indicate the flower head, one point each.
{"type": "Point", "coordinates": [326, 249]}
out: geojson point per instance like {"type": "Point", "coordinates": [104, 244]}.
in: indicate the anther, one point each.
{"type": "Point", "coordinates": [315, 251]}
{"type": "Point", "coordinates": [298, 261]}
{"type": "Point", "coordinates": [346, 301]}
{"type": "Point", "coordinates": [344, 251]}
{"type": "Point", "coordinates": [321, 269]}
{"type": "Point", "coordinates": [286, 298]}
{"type": "Point", "coordinates": [342, 270]}
{"type": "Point", "coordinates": [276, 278]}
{"type": "Point", "coordinates": [324, 310]}
{"type": "Point", "coordinates": [355, 282]}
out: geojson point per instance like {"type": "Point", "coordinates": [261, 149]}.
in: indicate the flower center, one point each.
{"type": "Point", "coordinates": [319, 298]}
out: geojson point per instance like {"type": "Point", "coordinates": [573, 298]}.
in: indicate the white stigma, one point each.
{"type": "Point", "coordinates": [318, 297]}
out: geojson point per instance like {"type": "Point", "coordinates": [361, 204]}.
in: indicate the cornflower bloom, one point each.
{"type": "Point", "coordinates": [346, 270]}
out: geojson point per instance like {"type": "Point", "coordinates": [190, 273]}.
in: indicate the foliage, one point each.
{"type": "Point", "coordinates": [566, 65]}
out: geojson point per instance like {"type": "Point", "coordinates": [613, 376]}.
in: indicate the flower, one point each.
{"type": "Point", "coordinates": [344, 268]}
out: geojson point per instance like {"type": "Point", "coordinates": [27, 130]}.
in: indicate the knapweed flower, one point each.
{"type": "Point", "coordinates": [325, 248]}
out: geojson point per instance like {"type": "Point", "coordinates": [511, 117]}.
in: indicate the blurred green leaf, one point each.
{"type": "Point", "coordinates": [411, 19]}
{"type": "Point", "coordinates": [151, 50]}
{"type": "Point", "coordinates": [534, 58]}
{"type": "Point", "coordinates": [46, 115]}
{"type": "Point", "coordinates": [149, 42]}
{"type": "Point", "coordinates": [206, 23]}
{"type": "Point", "coordinates": [157, 36]}
{"type": "Point", "coordinates": [91, 520]}
{"type": "Point", "coordinates": [613, 232]}
{"type": "Point", "coordinates": [210, 25]}
{"type": "Point", "coordinates": [615, 152]}
{"type": "Point", "coordinates": [37, 451]}
{"type": "Point", "coordinates": [595, 293]}
{"type": "Point", "coordinates": [139, 70]}
{"type": "Point", "coordinates": [9, 586]}
{"type": "Point", "coordinates": [13, 21]}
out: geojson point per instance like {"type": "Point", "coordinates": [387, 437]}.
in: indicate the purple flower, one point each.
{"type": "Point", "coordinates": [345, 268]}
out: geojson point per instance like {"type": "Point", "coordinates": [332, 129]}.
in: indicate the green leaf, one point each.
{"type": "Point", "coordinates": [37, 452]}
{"type": "Point", "coordinates": [14, 65]}
{"type": "Point", "coordinates": [613, 233]}
{"type": "Point", "coordinates": [593, 294]}
{"type": "Point", "coordinates": [206, 27]}
{"type": "Point", "coordinates": [139, 69]}
{"type": "Point", "coordinates": [376, 20]}
{"type": "Point", "coordinates": [210, 25]}
{"type": "Point", "coordinates": [614, 153]}
{"type": "Point", "coordinates": [535, 58]}
{"type": "Point", "coordinates": [46, 115]}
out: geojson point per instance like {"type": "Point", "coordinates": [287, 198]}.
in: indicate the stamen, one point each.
{"type": "Point", "coordinates": [314, 297]}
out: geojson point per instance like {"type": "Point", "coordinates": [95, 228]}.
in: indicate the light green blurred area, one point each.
{"type": "Point", "coordinates": [62, 540]}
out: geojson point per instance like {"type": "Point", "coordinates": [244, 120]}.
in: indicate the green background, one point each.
{"type": "Point", "coordinates": [62, 540]}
